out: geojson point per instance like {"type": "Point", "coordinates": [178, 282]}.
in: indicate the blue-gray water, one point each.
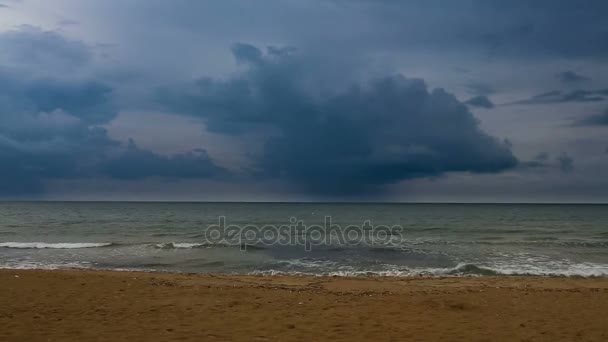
{"type": "Point", "coordinates": [437, 239]}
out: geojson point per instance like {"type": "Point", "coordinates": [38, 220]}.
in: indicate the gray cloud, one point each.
{"type": "Point", "coordinates": [571, 77]}
{"type": "Point", "coordinates": [60, 151]}
{"type": "Point", "coordinates": [49, 126]}
{"type": "Point", "coordinates": [539, 161]}
{"type": "Point", "coordinates": [480, 89]}
{"type": "Point", "coordinates": [566, 163]}
{"type": "Point", "coordinates": [495, 29]}
{"type": "Point", "coordinates": [88, 100]}
{"type": "Point", "coordinates": [600, 119]}
{"type": "Point", "coordinates": [480, 101]}
{"type": "Point", "coordinates": [344, 141]}
{"type": "Point", "coordinates": [46, 51]}
{"type": "Point", "coordinates": [68, 22]}
{"type": "Point", "coordinates": [542, 156]}
{"type": "Point", "coordinates": [557, 96]}
{"type": "Point", "coordinates": [56, 92]}
{"type": "Point", "coordinates": [503, 29]}
{"type": "Point", "coordinates": [543, 162]}
{"type": "Point", "coordinates": [136, 163]}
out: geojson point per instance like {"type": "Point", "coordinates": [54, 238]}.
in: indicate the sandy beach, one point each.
{"type": "Point", "coordinates": [76, 305]}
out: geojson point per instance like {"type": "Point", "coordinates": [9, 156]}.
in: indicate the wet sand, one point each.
{"type": "Point", "coordinates": [127, 306]}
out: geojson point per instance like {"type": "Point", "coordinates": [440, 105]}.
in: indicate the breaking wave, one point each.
{"type": "Point", "coordinates": [61, 245]}
{"type": "Point", "coordinates": [190, 245]}
{"type": "Point", "coordinates": [464, 269]}
{"type": "Point", "coordinates": [498, 241]}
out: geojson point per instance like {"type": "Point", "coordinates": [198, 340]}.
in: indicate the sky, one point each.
{"type": "Point", "coordinates": [294, 100]}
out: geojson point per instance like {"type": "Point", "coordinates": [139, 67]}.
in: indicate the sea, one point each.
{"type": "Point", "coordinates": [335, 239]}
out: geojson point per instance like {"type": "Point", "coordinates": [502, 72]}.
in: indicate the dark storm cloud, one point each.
{"type": "Point", "coordinates": [542, 156]}
{"type": "Point", "coordinates": [518, 28]}
{"type": "Point", "coordinates": [343, 141]}
{"type": "Point", "coordinates": [558, 96]}
{"type": "Point", "coordinates": [480, 101]}
{"type": "Point", "coordinates": [245, 53]}
{"type": "Point", "coordinates": [87, 100]}
{"type": "Point", "coordinates": [566, 163]}
{"type": "Point", "coordinates": [529, 28]}
{"type": "Point", "coordinates": [539, 161]}
{"type": "Point", "coordinates": [136, 163]}
{"type": "Point", "coordinates": [49, 125]}
{"type": "Point", "coordinates": [571, 77]}
{"type": "Point", "coordinates": [60, 151]}
{"type": "Point", "coordinates": [47, 51]}
{"type": "Point", "coordinates": [542, 161]}
{"type": "Point", "coordinates": [600, 119]}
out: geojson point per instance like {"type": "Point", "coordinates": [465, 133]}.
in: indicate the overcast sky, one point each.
{"type": "Point", "coordinates": [300, 100]}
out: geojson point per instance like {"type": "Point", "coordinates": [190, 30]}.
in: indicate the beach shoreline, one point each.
{"type": "Point", "coordinates": [78, 305]}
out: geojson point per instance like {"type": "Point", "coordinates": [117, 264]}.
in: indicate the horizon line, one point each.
{"type": "Point", "coordinates": [296, 202]}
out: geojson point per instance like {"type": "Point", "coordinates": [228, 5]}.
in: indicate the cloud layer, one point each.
{"type": "Point", "coordinates": [50, 125]}
{"type": "Point", "coordinates": [375, 98]}
{"type": "Point", "coordinates": [370, 134]}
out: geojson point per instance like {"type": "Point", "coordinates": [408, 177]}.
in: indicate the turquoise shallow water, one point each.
{"type": "Point", "coordinates": [427, 239]}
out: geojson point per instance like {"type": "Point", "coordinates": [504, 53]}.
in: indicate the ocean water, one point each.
{"type": "Point", "coordinates": [265, 238]}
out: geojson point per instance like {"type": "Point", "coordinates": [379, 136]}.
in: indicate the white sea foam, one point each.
{"type": "Point", "coordinates": [62, 245]}
{"type": "Point", "coordinates": [572, 270]}
{"type": "Point", "coordinates": [35, 265]}
{"type": "Point", "coordinates": [180, 245]}
{"type": "Point", "coordinates": [190, 245]}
